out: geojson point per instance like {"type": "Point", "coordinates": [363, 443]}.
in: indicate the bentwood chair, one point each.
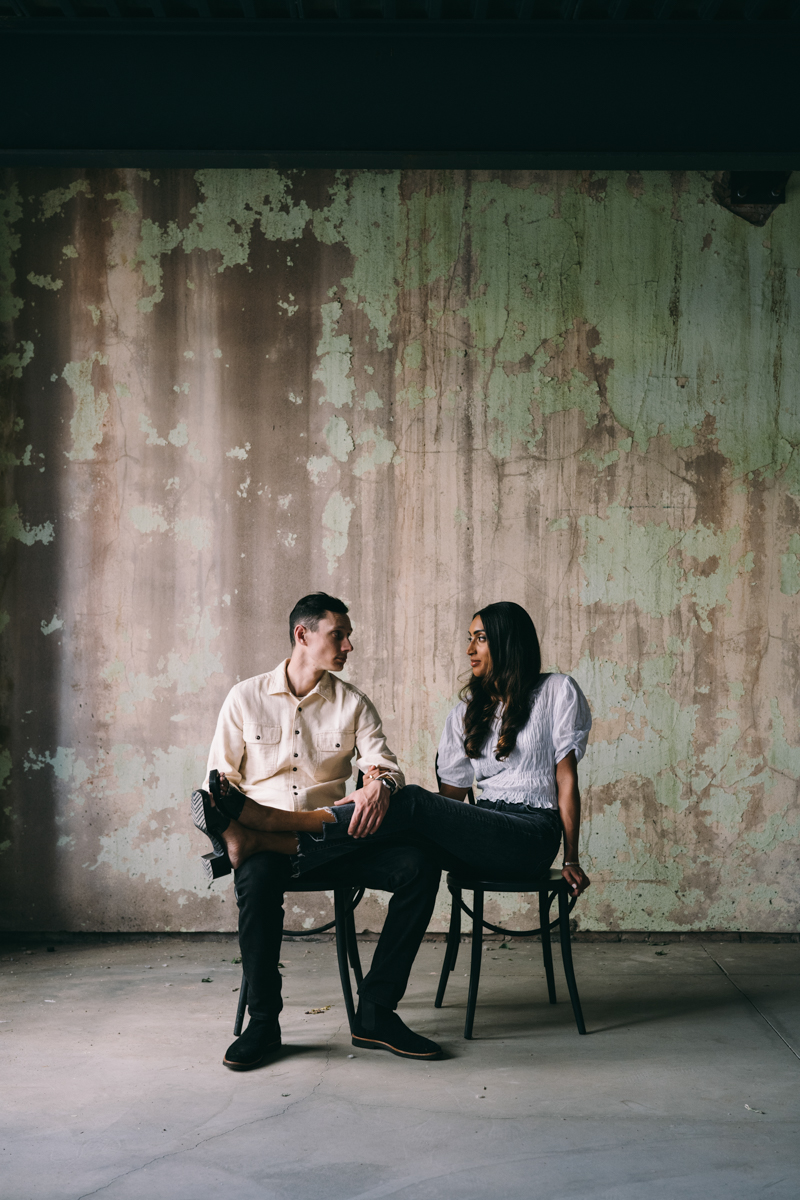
{"type": "Point", "coordinates": [345, 901]}
{"type": "Point", "coordinates": [548, 887]}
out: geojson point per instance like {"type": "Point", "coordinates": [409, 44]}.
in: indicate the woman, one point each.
{"type": "Point", "coordinates": [518, 732]}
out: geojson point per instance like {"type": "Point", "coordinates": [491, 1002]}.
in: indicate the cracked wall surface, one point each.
{"type": "Point", "coordinates": [423, 392]}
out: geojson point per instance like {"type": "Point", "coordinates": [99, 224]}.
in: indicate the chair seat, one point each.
{"type": "Point", "coordinates": [316, 885]}
{"type": "Point", "coordinates": [550, 882]}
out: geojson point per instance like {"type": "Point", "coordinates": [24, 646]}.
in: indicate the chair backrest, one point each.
{"type": "Point", "coordinates": [470, 792]}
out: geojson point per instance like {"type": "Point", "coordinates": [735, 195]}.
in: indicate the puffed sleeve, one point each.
{"type": "Point", "coordinates": [453, 765]}
{"type": "Point", "coordinates": [572, 720]}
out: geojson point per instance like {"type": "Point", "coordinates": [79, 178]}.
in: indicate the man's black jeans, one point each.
{"type": "Point", "coordinates": [409, 872]}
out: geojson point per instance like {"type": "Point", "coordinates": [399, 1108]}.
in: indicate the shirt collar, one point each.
{"type": "Point", "coordinates": [279, 683]}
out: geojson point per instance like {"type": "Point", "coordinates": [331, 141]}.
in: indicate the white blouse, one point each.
{"type": "Point", "coordinates": [559, 722]}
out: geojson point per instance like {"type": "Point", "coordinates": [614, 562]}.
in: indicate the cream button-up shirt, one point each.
{"type": "Point", "coordinates": [295, 753]}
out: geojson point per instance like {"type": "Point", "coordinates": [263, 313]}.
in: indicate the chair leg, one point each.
{"type": "Point", "coordinates": [340, 899]}
{"type": "Point", "coordinates": [566, 958]}
{"type": "Point", "coordinates": [475, 964]}
{"type": "Point", "coordinates": [547, 949]}
{"type": "Point", "coordinates": [243, 989]}
{"type": "Point", "coordinates": [352, 944]}
{"type": "Point", "coordinates": [451, 949]}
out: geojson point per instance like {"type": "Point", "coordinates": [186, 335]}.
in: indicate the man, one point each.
{"type": "Point", "coordinates": [287, 739]}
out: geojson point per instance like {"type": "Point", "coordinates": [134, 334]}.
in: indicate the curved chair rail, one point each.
{"type": "Point", "coordinates": [514, 932]}
{"type": "Point", "coordinates": [359, 896]}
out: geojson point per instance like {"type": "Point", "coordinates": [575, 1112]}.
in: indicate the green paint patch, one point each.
{"type": "Point", "coordinates": [10, 213]}
{"type": "Point", "coordinates": [154, 244]}
{"type": "Point", "coordinates": [187, 671]}
{"type": "Point", "coordinates": [381, 453]}
{"type": "Point", "coordinates": [48, 627]}
{"type": "Point", "coordinates": [782, 756]}
{"type": "Point", "coordinates": [336, 519]}
{"type": "Point", "coordinates": [53, 201]}
{"type": "Point", "coordinates": [650, 564]}
{"type": "Point", "coordinates": [148, 519]}
{"type": "Point", "coordinates": [194, 530]}
{"type": "Point", "coordinates": [146, 426]}
{"type": "Point", "coordinates": [658, 743]}
{"type": "Point", "coordinates": [339, 439]}
{"type": "Point", "coordinates": [13, 526]}
{"type": "Point", "coordinates": [69, 252]}
{"type": "Point", "coordinates": [86, 425]}
{"type": "Point", "coordinates": [558, 524]}
{"type": "Point", "coordinates": [45, 281]}
{"type": "Point", "coordinates": [366, 215]}
{"type": "Point", "coordinates": [412, 356]}
{"type": "Point", "coordinates": [508, 410]}
{"type": "Point", "coordinates": [15, 362]}
{"type": "Point", "coordinates": [414, 395]}
{"type": "Point", "coordinates": [336, 356]}
{"type": "Point", "coordinates": [9, 459]}
{"type": "Point", "coordinates": [317, 466]}
{"type": "Point", "coordinates": [372, 401]}
{"type": "Point", "coordinates": [179, 436]}
{"type": "Point", "coordinates": [125, 200]}
{"type": "Point", "coordinates": [790, 567]}
{"type": "Point", "coordinates": [600, 461]}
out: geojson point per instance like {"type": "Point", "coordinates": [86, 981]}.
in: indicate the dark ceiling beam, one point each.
{"type": "Point", "coordinates": [596, 95]}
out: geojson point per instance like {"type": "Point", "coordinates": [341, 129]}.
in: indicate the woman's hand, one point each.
{"type": "Point", "coordinates": [577, 879]}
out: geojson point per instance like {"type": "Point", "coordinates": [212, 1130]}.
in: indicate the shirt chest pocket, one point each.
{"type": "Point", "coordinates": [262, 743]}
{"type": "Point", "coordinates": [335, 742]}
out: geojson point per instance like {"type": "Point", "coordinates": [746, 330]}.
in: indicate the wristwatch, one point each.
{"type": "Point", "coordinates": [390, 782]}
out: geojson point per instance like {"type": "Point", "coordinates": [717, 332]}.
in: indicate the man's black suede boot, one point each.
{"type": "Point", "coordinates": [256, 1043]}
{"type": "Point", "coordinates": [379, 1028]}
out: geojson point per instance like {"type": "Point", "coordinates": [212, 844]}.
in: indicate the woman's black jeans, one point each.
{"type": "Point", "coordinates": [493, 839]}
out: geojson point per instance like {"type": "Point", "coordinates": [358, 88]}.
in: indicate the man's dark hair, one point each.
{"type": "Point", "coordinates": [311, 609]}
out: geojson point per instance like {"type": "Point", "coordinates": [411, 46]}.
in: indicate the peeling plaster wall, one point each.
{"type": "Point", "coordinates": [423, 392]}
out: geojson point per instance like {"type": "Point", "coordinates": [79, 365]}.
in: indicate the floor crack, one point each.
{"type": "Point", "coordinates": [741, 992]}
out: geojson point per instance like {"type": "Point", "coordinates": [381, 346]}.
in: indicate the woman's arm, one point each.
{"type": "Point", "coordinates": [453, 793]}
{"type": "Point", "coordinates": [569, 808]}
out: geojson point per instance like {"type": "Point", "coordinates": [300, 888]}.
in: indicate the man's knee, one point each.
{"type": "Point", "coordinates": [261, 877]}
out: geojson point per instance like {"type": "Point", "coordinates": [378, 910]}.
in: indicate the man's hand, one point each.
{"type": "Point", "coordinates": [371, 801]}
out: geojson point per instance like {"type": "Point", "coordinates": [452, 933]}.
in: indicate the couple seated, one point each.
{"type": "Point", "coordinates": [284, 746]}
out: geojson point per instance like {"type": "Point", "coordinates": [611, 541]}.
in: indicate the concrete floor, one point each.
{"type": "Point", "coordinates": [113, 1083]}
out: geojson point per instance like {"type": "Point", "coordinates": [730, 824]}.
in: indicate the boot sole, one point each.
{"type": "Point", "coordinates": [366, 1044]}
{"type": "Point", "coordinates": [236, 1066]}
{"type": "Point", "coordinates": [216, 863]}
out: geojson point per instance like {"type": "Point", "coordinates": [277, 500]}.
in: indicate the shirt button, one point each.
{"type": "Point", "coordinates": [337, 745]}
{"type": "Point", "coordinates": [258, 737]}
{"type": "Point", "coordinates": [294, 768]}
{"type": "Point", "coordinates": [299, 710]}
{"type": "Point", "coordinates": [297, 755]}
{"type": "Point", "coordinates": [297, 730]}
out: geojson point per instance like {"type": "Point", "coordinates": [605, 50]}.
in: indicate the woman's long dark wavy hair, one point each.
{"type": "Point", "coordinates": [515, 672]}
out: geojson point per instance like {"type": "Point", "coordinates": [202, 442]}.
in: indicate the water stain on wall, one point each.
{"type": "Point", "coordinates": [422, 391]}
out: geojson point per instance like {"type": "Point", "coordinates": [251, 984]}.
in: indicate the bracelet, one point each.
{"type": "Point", "coordinates": [388, 781]}
{"type": "Point", "coordinates": [566, 864]}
